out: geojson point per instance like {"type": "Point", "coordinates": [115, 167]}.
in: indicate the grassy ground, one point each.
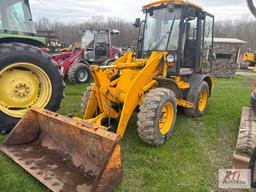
{"type": "Point", "coordinates": [188, 162]}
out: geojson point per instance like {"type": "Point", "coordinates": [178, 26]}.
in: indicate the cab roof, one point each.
{"type": "Point", "coordinates": [174, 2]}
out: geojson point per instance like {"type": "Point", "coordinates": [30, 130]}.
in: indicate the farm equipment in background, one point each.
{"type": "Point", "coordinates": [249, 60]}
{"type": "Point", "coordinates": [28, 77]}
{"type": "Point", "coordinates": [52, 42]}
{"type": "Point", "coordinates": [66, 53]}
{"type": "Point", "coordinates": [96, 48]}
{"type": "Point", "coordinates": [171, 68]}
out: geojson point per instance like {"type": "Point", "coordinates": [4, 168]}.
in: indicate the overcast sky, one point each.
{"type": "Point", "coordinates": [80, 10]}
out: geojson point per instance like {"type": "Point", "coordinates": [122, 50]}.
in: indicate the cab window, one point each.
{"type": "Point", "coordinates": [207, 43]}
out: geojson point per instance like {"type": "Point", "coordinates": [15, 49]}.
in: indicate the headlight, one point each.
{"type": "Point", "coordinates": [170, 58]}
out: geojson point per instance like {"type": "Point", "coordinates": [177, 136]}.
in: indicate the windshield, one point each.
{"type": "Point", "coordinates": [15, 16]}
{"type": "Point", "coordinates": [88, 39]}
{"type": "Point", "coordinates": [162, 24]}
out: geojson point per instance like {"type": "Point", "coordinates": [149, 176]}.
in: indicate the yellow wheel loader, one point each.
{"type": "Point", "coordinates": [171, 68]}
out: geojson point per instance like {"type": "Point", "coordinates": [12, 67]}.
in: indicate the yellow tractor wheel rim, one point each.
{"type": "Point", "coordinates": [203, 100]}
{"type": "Point", "coordinates": [23, 85]}
{"type": "Point", "coordinates": [166, 118]}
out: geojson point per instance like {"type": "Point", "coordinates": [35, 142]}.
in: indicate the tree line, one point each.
{"type": "Point", "coordinates": [71, 33]}
{"type": "Point", "coordinates": [244, 29]}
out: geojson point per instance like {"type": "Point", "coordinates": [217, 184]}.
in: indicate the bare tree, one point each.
{"type": "Point", "coordinates": [69, 33]}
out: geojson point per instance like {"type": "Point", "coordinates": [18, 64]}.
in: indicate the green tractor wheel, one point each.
{"type": "Point", "coordinates": [28, 78]}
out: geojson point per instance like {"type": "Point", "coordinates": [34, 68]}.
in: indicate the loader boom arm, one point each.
{"type": "Point", "coordinates": [128, 90]}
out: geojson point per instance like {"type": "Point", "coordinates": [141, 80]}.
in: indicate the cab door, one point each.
{"type": "Point", "coordinates": [207, 57]}
{"type": "Point", "coordinates": [192, 40]}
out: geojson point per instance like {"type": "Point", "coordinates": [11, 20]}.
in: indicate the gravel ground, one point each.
{"type": "Point", "coordinates": [246, 73]}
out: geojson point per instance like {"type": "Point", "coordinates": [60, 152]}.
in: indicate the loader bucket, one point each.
{"type": "Point", "coordinates": [64, 154]}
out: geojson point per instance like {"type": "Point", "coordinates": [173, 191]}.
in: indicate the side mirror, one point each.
{"type": "Point", "coordinates": [201, 15]}
{"type": "Point", "coordinates": [137, 23]}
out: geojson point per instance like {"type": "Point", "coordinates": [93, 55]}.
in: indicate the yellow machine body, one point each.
{"type": "Point", "coordinates": [72, 154]}
{"type": "Point", "coordinates": [249, 57]}
{"type": "Point", "coordinates": [137, 77]}
{"type": "Point", "coordinates": [174, 2]}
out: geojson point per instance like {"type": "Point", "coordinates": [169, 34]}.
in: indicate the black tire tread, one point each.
{"type": "Point", "coordinates": [85, 98]}
{"type": "Point", "coordinates": [148, 114]}
{"type": "Point", "coordinates": [72, 73]}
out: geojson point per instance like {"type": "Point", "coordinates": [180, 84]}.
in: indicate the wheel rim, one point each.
{"type": "Point", "coordinates": [203, 100]}
{"type": "Point", "coordinates": [166, 118]}
{"type": "Point", "coordinates": [82, 75]}
{"type": "Point", "coordinates": [23, 85]}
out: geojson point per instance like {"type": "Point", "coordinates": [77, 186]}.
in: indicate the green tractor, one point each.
{"type": "Point", "coordinates": [28, 76]}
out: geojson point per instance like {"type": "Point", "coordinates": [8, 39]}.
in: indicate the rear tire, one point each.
{"type": "Point", "coordinates": [157, 116]}
{"type": "Point", "coordinates": [79, 73]}
{"type": "Point", "coordinates": [16, 54]}
{"type": "Point", "coordinates": [199, 97]}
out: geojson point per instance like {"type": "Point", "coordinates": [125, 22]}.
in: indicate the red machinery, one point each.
{"type": "Point", "coordinates": [96, 48]}
{"type": "Point", "coordinates": [59, 58]}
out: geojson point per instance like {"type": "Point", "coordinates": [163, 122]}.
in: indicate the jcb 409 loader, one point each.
{"type": "Point", "coordinates": [171, 68]}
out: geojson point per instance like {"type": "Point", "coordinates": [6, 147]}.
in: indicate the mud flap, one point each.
{"type": "Point", "coordinates": [64, 154]}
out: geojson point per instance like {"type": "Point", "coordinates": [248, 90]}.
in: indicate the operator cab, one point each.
{"type": "Point", "coordinates": [183, 29]}
{"type": "Point", "coordinates": [16, 18]}
{"type": "Point", "coordinates": [97, 44]}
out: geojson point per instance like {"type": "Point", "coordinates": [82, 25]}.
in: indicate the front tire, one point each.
{"type": "Point", "coordinates": [157, 116]}
{"type": "Point", "coordinates": [79, 73]}
{"type": "Point", "coordinates": [28, 78]}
